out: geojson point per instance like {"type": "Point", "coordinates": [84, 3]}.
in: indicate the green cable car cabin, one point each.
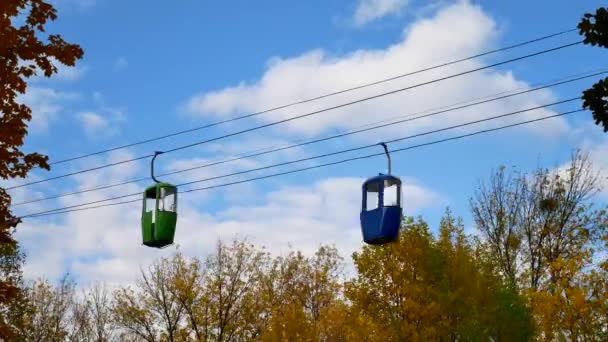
{"type": "Point", "coordinates": [159, 215]}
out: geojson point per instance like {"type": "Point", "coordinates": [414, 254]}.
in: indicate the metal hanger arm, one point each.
{"type": "Point", "coordinates": [156, 153]}
{"type": "Point", "coordinates": [388, 156]}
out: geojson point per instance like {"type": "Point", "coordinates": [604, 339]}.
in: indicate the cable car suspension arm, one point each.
{"type": "Point", "coordinates": [156, 153]}
{"type": "Point", "coordinates": [388, 156]}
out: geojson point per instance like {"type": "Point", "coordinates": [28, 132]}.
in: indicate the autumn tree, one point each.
{"type": "Point", "coordinates": [98, 304]}
{"type": "Point", "coordinates": [187, 287]}
{"type": "Point", "coordinates": [91, 316]}
{"type": "Point", "coordinates": [237, 293]}
{"type": "Point", "coordinates": [49, 315]}
{"type": "Point", "coordinates": [496, 208]}
{"type": "Point", "coordinates": [58, 312]}
{"type": "Point", "coordinates": [393, 291]}
{"type": "Point", "coordinates": [569, 307]}
{"type": "Point", "coordinates": [152, 312]}
{"type": "Point", "coordinates": [542, 231]}
{"type": "Point", "coordinates": [421, 288]}
{"type": "Point", "coordinates": [25, 50]}
{"type": "Point", "coordinates": [426, 288]}
{"type": "Point", "coordinates": [594, 27]}
{"type": "Point", "coordinates": [303, 298]}
{"type": "Point", "coordinates": [219, 295]}
{"type": "Point", "coordinates": [233, 273]}
{"type": "Point", "coordinates": [133, 316]}
{"type": "Point", "coordinates": [596, 283]}
{"type": "Point", "coordinates": [531, 220]}
{"type": "Point", "coordinates": [186, 299]}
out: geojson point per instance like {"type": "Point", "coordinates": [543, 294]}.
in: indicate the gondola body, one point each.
{"type": "Point", "coordinates": [159, 215]}
{"type": "Point", "coordinates": [381, 209]}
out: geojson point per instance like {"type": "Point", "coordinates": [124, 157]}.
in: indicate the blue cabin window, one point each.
{"type": "Point", "coordinates": [372, 196]}
{"type": "Point", "coordinates": [392, 193]}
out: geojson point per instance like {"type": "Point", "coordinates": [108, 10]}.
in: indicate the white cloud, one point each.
{"type": "Point", "coordinates": [68, 73]}
{"type": "Point", "coordinates": [600, 159]}
{"type": "Point", "coordinates": [121, 63]}
{"type": "Point", "coordinates": [45, 104]}
{"type": "Point", "coordinates": [455, 31]}
{"type": "Point", "coordinates": [64, 72]}
{"type": "Point", "coordinates": [370, 10]}
{"type": "Point", "coordinates": [93, 123]}
{"type": "Point", "coordinates": [74, 4]}
{"type": "Point", "coordinates": [103, 121]}
{"type": "Point", "coordinates": [595, 142]}
{"type": "Point", "coordinates": [105, 244]}
{"type": "Point", "coordinates": [589, 139]}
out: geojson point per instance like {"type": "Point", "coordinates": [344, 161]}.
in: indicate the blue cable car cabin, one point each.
{"type": "Point", "coordinates": [381, 209]}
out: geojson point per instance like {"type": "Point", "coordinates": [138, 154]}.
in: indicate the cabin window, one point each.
{"type": "Point", "coordinates": [168, 200]}
{"type": "Point", "coordinates": [150, 204]}
{"type": "Point", "coordinates": [372, 191]}
{"type": "Point", "coordinates": [150, 200]}
{"type": "Point", "coordinates": [392, 193]}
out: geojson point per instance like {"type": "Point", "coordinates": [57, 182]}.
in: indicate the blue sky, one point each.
{"type": "Point", "coordinates": [149, 71]}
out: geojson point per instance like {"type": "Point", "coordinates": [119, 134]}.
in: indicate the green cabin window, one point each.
{"type": "Point", "coordinates": [167, 200]}
{"type": "Point", "coordinates": [150, 203]}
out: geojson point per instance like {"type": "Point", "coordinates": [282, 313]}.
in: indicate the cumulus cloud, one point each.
{"type": "Point", "coordinates": [600, 159]}
{"type": "Point", "coordinates": [74, 4]}
{"type": "Point", "coordinates": [105, 244]}
{"type": "Point", "coordinates": [596, 144]}
{"type": "Point", "coordinates": [46, 104]}
{"type": "Point", "coordinates": [64, 72]}
{"type": "Point", "coordinates": [93, 123]}
{"type": "Point", "coordinates": [370, 10]}
{"type": "Point", "coordinates": [68, 73]}
{"type": "Point", "coordinates": [455, 31]}
{"type": "Point", "coordinates": [103, 120]}
{"type": "Point", "coordinates": [591, 140]}
{"type": "Point", "coordinates": [588, 139]}
{"type": "Point", "coordinates": [54, 245]}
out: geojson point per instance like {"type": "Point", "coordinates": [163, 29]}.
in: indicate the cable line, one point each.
{"type": "Point", "coordinates": [509, 47]}
{"type": "Point", "coordinates": [324, 155]}
{"type": "Point", "coordinates": [347, 133]}
{"type": "Point", "coordinates": [34, 215]}
{"type": "Point", "coordinates": [303, 115]}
